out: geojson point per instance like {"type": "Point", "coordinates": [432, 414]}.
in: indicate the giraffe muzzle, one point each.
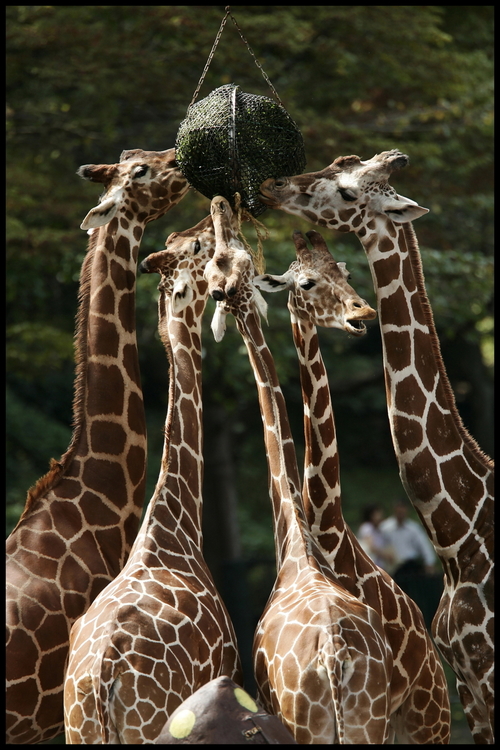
{"type": "Point", "coordinates": [398, 161]}
{"type": "Point", "coordinates": [267, 198]}
{"type": "Point", "coordinates": [355, 327]}
{"type": "Point", "coordinates": [359, 311]}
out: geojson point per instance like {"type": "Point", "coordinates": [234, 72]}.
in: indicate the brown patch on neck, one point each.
{"type": "Point", "coordinates": [387, 269]}
{"type": "Point", "coordinates": [386, 245]}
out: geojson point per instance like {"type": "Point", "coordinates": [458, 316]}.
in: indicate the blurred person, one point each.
{"type": "Point", "coordinates": [373, 540]}
{"type": "Point", "coordinates": [415, 562]}
{"type": "Point", "coordinates": [410, 544]}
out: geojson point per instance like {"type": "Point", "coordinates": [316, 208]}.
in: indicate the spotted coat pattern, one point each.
{"type": "Point", "coordinates": [321, 295]}
{"type": "Point", "coordinates": [321, 661]}
{"type": "Point", "coordinates": [81, 518]}
{"type": "Point", "coordinates": [160, 630]}
{"type": "Point", "coordinates": [445, 474]}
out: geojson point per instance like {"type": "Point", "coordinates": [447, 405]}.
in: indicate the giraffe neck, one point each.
{"type": "Point", "coordinates": [174, 517]}
{"type": "Point", "coordinates": [292, 542]}
{"type": "Point", "coordinates": [443, 471]}
{"type": "Point", "coordinates": [103, 468]}
{"type": "Point", "coordinates": [321, 486]}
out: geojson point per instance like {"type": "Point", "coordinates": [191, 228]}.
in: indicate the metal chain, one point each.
{"type": "Point", "coordinates": [266, 78]}
{"type": "Point", "coordinates": [216, 42]}
{"type": "Point", "coordinates": [207, 65]}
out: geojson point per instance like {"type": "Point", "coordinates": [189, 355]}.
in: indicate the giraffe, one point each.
{"type": "Point", "coordinates": [81, 518]}
{"type": "Point", "coordinates": [160, 630]}
{"type": "Point", "coordinates": [447, 477]}
{"type": "Point", "coordinates": [321, 661]}
{"type": "Point", "coordinates": [320, 295]}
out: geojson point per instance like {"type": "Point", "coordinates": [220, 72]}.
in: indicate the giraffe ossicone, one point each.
{"type": "Point", "coordinates": [447, 477]}
{"type": "Point", "coordinates": [81, 518]}
{"type": "Point", "coordinates": [319, 294]}
{"type": "Point", "coordinates": [322, 664]}
{"type": "Point", "coordinates": [160, 630]}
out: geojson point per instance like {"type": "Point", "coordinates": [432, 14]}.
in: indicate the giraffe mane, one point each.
{"type": "Point", "coordinates": [57, 467]}
{"type": "Point", "coordinates": [165, 339]}
{"type": "Point", "coordinates": [416, 261]}
{"type": "Point", "coordinates": [167, 427]}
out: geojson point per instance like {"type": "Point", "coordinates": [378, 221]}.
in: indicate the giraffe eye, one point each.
{"type": "Point", "coordinates": [307, 284]}
{"type": "Point", "coordinates": [197, 247]}
{"type": "Point", "coordinates": [141, 171]}
{"type": "Point", "coordinates": [346, 194]}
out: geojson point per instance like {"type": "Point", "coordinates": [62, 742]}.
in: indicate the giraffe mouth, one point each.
{"type": "Point", "coordinates": [269, 200]}
{"type": "Point", "coordinates": [355, 327]}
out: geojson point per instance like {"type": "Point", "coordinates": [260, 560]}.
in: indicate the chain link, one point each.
{"type": "Point", "coordinates": [207, 64]}
{"type": "Point", "coordinates": [266, 78]}
{"type": "Point", "coordinates": [216, 42]}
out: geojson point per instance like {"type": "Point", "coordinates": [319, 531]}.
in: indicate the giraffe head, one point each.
{"type": "Point", "coordinates": [230, 258]}
{"type": "Point", "coordinates": [143, 186]}
{"type": "Point", "coordinates": [182, 264]}
{"type": "Point", "coordinates": [319, 290]}
{"type": "Point", "coordinates": [348, 195]}
{"type": "Point", "coordinates": [231, 270]}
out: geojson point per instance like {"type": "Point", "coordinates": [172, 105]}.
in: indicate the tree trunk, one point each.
{"type": "Point", "coordinates": [221, 534]}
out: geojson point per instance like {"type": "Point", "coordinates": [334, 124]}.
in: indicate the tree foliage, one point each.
{"type": "Point", "coordinates": [86, 82]}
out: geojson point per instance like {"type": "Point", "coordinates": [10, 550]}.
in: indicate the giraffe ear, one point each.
{"type": "Point", "coordinates": [403, 210]}
{"type": "Point", "coordinates": [101, 214]}
{"type": "Point", "coordinates": [260, 304]}
{"type": "Point", "coordinates": [102, 173]}
{"type": "Point", "coordinates": [218, 324]}
{"type": "Point", "coordinates": [182, 294]}
{"type": "Point", "coordinates": [269, 283]}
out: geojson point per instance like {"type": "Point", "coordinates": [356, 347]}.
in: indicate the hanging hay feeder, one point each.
{"type": "Point", "coordinates": [231, 142]}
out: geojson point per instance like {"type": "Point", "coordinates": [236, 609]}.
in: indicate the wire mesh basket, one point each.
{"type": "Point", "coordinates": [232, 141]}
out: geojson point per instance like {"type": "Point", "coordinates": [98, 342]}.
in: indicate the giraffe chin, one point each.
{"type": "Point", "coordinates": [356, 328]}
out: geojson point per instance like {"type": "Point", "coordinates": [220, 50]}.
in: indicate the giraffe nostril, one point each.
{"type": "Point", "coordinates": [217, 295]}
{"type": "Point", "coordinates": [231, 292]}
{"type": "Point", "coordinates": [357, 304]}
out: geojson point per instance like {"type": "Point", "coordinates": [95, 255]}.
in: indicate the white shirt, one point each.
{"type": "Point", "coordinates": [409, 541]}
{"type": "Point", "coordinates": [372, 540]}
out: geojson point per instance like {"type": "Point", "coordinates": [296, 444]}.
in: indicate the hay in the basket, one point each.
{"type": "Point", "coordinates": [230, 142]}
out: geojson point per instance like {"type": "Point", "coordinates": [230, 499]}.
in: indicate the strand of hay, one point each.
{"type": "Point", "coordinates": [260, 230]}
